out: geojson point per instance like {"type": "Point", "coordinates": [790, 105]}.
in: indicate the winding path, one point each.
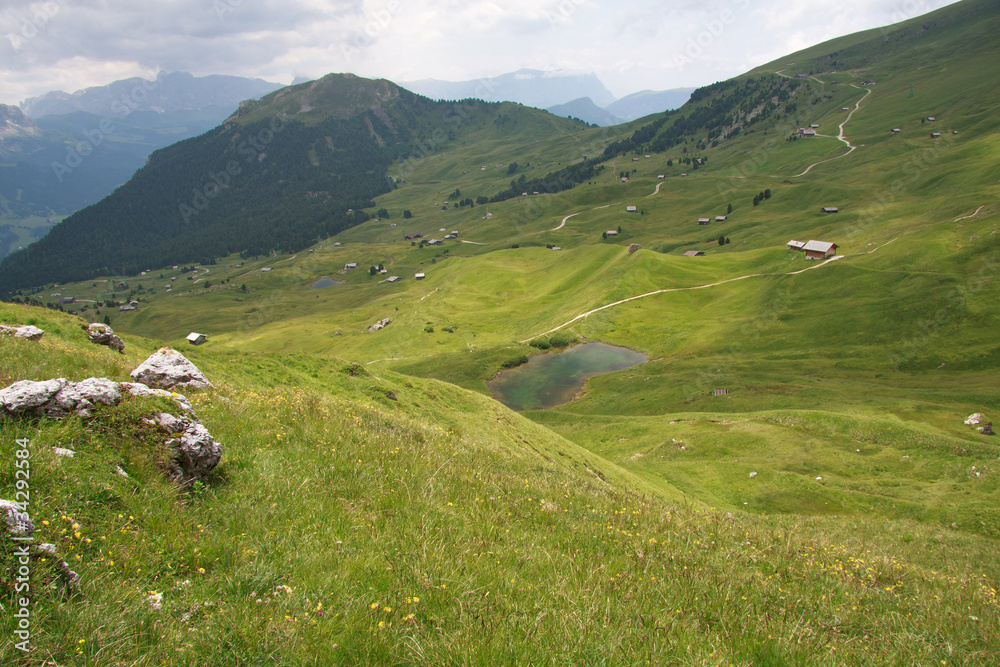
{"type": "Point", "coordinates": [678, 289]}
{"type": "Point", "coordinates": [684, 289]}
{"type": "Point", "coordinates": [966, 217]}
{"type": "Point", "coordinates": [657, 190]}
{"type": "Point", "coordinates": [840, 136]}
{"type": "Point", "coordinates": [563, 223]}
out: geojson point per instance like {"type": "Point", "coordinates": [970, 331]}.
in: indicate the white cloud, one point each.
{"type": "Point", "coordinates": [630, 44]}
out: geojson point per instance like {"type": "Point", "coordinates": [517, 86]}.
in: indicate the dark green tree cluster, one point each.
{"type": "Point", "coordinates": [761, 196]}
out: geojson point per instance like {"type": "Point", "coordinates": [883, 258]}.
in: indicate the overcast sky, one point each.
{"type": "Point", "coordinates": [630, 44]}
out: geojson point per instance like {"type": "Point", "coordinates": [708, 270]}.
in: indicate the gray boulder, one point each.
{"type": "Point", "coordinates": [196, 455]}
{"type": "Point", "coordinates": [986, 429]}
{"type": "Point", "coordinates": [381, 324]}
{"type": "Point", "coordinates": [102, 334]}
{"type": "Point", "coordinates": [26, 331]}
{"type": "Point", "coordinates": [58, 397]}
{"type": "Point", "coordinates": [167, 368]}
{"type": "Point", "coordinates": [29, 397]}
{"type": "Point", "coordinates": [975, 418]}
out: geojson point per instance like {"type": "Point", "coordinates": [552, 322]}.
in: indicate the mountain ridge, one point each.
{"type": "Point", "coordinates": [168, 91]}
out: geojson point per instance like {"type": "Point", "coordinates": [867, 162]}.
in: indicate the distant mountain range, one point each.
{"type": "Point", "coordinates": [646, 102]}
{"type": "Point", "coordinates": [581, 96]}
{"type": "Point", "coordinates": [585, 109]}
{"type": "Point", "coordinates": [630, 107]}
{"type": "Point", "coordinates": [61, 152]}
{"type": "Point", "coordinates": [173, 91]}
{"type": "Point", "coordinates": [533, 88]}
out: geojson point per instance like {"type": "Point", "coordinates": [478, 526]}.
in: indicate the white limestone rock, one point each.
{"type": "Point", "coordinates": [29, 397]}
{"type": "Point", "coordinates": [167, 368]}
{"type": "Point", "coordinates": [26, 331]}
{"type": "Point", "coordinates": [102, 334]}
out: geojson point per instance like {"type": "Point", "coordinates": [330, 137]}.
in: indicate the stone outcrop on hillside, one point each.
{"type": "Point", "coordinates": [24, 331]}
{"type": "Point", "coordinates": [974, 418]}
{"type": "Point", "coordinates": [194, 452]}
{"type": "Point", "coordinates": [633, 248]}
{"type": "Point", "coordinates": [381, 324]}
{"type": "Point", "coordinates": [57, 398]}
{"type": "Point", "coordinates": [167, 369]}
{"type": "Point", "coordinates": [102, 334]}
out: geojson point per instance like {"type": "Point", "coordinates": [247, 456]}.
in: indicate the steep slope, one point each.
{"type": "Point", "coordinates": [282, 172]}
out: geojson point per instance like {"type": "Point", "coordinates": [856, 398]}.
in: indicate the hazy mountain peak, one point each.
{"type": "Point", "coordinates": [169, 91]}
{"type": "Point", "coordinates": [536, 88]}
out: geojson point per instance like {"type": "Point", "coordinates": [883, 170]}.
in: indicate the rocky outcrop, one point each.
{"type": "Point", "coordinates": [24, 331]}
{"type": "Point", "coordinates": [986, 429]}
{"type": "Point", "coordinates": [381, 324]}
{"type": "Point", "coordinates": [194, 452]}
{"type": "Point", "coordinates": [167, 369]}
{"type": "Point", "coordinates": [974, 418]}
{"type": "Point", "coordinates": [57, 398]}
{"type": "Point", "coordinates": [634, 247]}
{"type": "Point", "coordinates": [102, 334]}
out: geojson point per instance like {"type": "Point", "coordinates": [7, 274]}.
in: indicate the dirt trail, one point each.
{"type": "Point", "coordinates": [563, 223]}
{"type": "Point", "coordinates": [840, 136]}
{"type": "Point", "coordinates": [683, 289]}
{"type": "Point", "coordinates": [966, 217]}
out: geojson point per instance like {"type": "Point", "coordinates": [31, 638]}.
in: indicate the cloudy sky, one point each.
{"type": "Point", "coordinates": [630, 44]}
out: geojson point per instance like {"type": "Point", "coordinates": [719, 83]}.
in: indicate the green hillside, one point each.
{"type": "Point", "coordinates": [829, 507]}
{"type": "Point", "coordinates": [436, 526]}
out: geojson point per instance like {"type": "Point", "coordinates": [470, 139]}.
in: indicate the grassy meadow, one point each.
{"type": "Point", "coordinates": [344, 527]}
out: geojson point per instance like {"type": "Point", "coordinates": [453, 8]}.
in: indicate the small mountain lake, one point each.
{"type": "Point", "coordinates": [552, 378]}
{"type": "Point", "coordinates": [325, 281]}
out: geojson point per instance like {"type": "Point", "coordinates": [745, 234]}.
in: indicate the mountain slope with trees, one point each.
{"type": "Point", "coordinates": [282, 172]}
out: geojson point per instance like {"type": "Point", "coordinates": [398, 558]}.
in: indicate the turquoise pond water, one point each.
{"type": "Point", "coordinates": [555, 377]}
